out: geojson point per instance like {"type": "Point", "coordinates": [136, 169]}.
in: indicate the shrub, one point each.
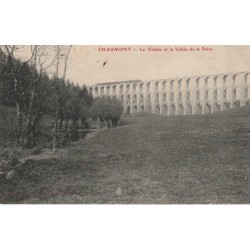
{"type": "Point", "coordinates": [107, 110]}
{"type": "Point", "coordinates": [8, 126]}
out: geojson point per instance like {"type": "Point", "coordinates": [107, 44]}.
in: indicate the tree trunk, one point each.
{"type": "Point", "coordinates": [65, 63]}
{"type": "Point", "coordinates": [20, 125]}
{"type": "Point", "coordinates": [54, 131]}
{"type": "Point", "coordinates": [58, 61]}
{"type": "Point", "coordinates": [66, 124]}
{"type": "Point", "coordinates": [20, 134]}
{"type": "Point", "coordinates": [60, 124]}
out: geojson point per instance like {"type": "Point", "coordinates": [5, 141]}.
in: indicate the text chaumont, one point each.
{"type": "Point", "coordinates": [105, 49]}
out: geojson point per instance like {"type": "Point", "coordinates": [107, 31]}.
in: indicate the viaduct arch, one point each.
{"type": "Point", "coordinates": [180, 96]}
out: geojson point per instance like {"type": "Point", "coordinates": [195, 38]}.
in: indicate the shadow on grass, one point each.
{"type": "Point", "coordinates": [126, 122]}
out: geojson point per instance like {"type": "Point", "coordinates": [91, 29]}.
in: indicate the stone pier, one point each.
{"type": "Point", "coordinates": [180, 96]}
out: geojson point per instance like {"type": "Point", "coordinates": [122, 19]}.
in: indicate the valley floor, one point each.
{"type": "Point", "coordinates": [151, 160]}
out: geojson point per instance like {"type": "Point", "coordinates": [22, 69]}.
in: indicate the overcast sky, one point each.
{"type": "Point", "coordinates": [86, 63]}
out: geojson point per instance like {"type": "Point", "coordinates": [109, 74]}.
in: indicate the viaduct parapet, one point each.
{"type": "Point", "coordinates": [180, 96]}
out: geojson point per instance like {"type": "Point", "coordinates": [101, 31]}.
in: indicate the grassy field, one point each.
{"type": "Point", "coordinates": [184, 160]}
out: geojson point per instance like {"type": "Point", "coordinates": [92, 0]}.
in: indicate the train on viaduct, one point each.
{"type": "Point", "coordinates": [179, 96]}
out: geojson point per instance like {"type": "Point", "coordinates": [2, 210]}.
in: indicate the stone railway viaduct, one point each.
{"type": "Point", "coordinates": [180, 96]}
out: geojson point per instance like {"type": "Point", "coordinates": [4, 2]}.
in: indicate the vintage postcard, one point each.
{"type": "Point", "coordinates": [124, 124]}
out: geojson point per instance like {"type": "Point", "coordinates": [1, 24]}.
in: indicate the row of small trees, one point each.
{"type": "Point", "coordinates": [107, 110]}
{"type": "Point", "coordinates": [36, 98]}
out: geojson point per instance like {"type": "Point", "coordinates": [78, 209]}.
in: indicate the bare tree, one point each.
{"type": "Point", "coordinates": [10, 51]}
{"type": "Point", "coordinates": [62, 53]}
{"type": "Point", "coordinates": [43, 59]}
{"type": "Point", "coordinates": [39, 59]}
{"type": "Point", "coordinates": [66, 62]}
{"type": "Point", "coordinates": [58, 55]}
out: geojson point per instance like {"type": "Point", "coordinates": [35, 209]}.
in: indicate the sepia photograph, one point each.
{"type": "Point", "coordinates": [124, 124]}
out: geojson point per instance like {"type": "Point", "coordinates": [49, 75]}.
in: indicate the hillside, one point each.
{"type": "Point", "coordinates": [190, 160]}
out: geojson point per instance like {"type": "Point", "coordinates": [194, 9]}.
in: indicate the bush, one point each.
{"type": "Point", "coordinates": [107, 110]}
{"type": "Point", "coordinates": [8, 127]}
